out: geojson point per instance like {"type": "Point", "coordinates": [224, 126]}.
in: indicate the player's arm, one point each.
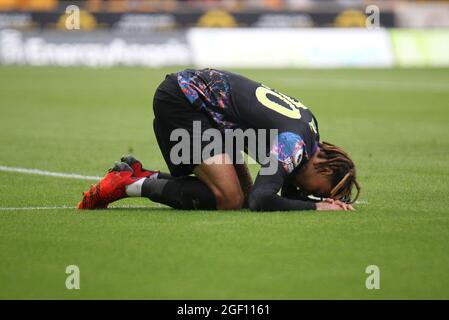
{"type": "Point", "coordinates": [264, 196]}
{"type": "Point", "coordinates": [288, 151]}
{"type": "Point", "coordinates": [246, 181]}
{"type": "Point", "coordinates": [290, 190]}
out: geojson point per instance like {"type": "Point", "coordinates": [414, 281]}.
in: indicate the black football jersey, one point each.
{"type": "Point", "coordinates": [233, 101]}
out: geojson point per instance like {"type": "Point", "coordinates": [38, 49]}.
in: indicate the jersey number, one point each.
{"type": "Point", "coordinates": [291, 108]}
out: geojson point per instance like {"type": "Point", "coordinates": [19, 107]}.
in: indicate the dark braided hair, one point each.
{"type": "Point", "coordinates": [343, 178]}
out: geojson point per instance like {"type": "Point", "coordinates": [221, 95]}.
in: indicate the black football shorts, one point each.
{"type": "Point", "coordinates": [173, 111]}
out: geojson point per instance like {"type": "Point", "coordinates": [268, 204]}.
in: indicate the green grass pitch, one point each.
{"type": "Point", "coordinates": [395, 124]}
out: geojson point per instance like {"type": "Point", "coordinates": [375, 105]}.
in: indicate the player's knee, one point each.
{"type": "Point", "coordinates": [229, 199]}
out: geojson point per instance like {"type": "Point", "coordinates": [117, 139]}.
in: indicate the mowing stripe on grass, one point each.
{"type": "Point", "coordinates": [363, 84]}
{"type": "Point", "coordinates": [48, 173]}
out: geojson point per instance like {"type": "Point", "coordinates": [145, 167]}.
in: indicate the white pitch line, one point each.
{"type": "Point", "coordinates": [71, 176]}
{"type": "Point", "coordinates": [68, 207]}
{"type": "Point", "coordinates": [35, 208]}
{"type": "Point", "coordinates": [48, 173]}
{"type": "Point", "coordinates": [111, 207]}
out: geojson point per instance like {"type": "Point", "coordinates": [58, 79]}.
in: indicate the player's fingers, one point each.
{"type": "Point", "coordinates": [341, 204]}
{"type": "Point", "coordinates": [336, 207]}
{"type": "Point", "coordinates": [347, 206]}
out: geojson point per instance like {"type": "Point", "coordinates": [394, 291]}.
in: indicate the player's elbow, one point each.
{"type": "Point", "coordinates": [259, 201]}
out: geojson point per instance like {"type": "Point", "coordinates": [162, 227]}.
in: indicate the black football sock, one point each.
{"type": "Point", "coordinates": [185, 193]}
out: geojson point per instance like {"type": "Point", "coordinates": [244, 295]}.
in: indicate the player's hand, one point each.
{"type": "Point", "coordinates": [345, 206]}
{"type": "Point", "coordinates": [333, 205]}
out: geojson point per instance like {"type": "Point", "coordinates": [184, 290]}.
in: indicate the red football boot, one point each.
{"type": "Point", "coordinates": [111, 188]}
{"type": "Point", "coordinates": [136, 165]}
